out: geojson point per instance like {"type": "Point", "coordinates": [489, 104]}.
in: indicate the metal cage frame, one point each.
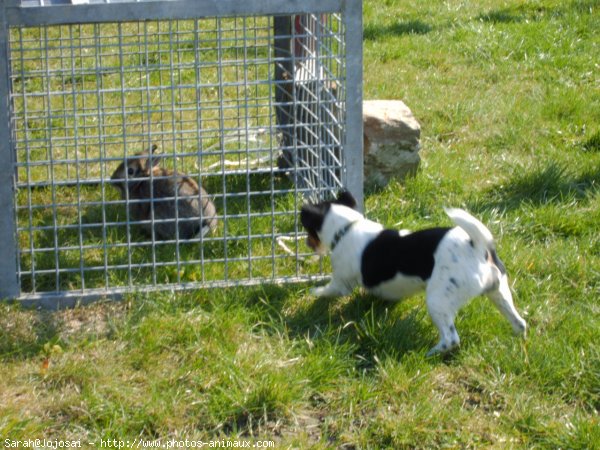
{"type": "Point", "coordinates": [317, 158]}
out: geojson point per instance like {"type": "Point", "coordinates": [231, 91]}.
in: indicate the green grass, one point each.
{"type": "Point", "coordinates": [507, 96]}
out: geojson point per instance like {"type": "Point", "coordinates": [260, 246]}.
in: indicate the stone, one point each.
{"type": "Point", "coordinates": [392, 140]}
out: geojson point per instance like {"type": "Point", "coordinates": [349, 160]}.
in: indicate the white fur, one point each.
{"type": "Point", "coordinates": [462, 270]}
{"type": "Point", "coordinates": [400, 286]}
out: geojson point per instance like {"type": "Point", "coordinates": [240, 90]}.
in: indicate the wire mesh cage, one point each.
{"type": "Point", "coordinates": [170, 144]}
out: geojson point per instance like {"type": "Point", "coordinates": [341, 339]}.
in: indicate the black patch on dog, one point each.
{"type": "Point", "coordinates": [497, 262]}
{"type": "Point", "coordinates": [312, 215]}
{"type": "Point", "coordinates": [389, 254]}
{"type": "Point", "coordinates": [346, 198]}
{"type": "Point", "coordinates": [453, 281]}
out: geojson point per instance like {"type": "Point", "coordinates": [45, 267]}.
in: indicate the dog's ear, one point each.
{"type": "Point", "coordinates": [312, 217]}
{"type": "Point", "coordinates": [345, 198]}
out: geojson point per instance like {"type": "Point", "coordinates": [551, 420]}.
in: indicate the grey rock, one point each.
{"type": "Point", "coordinates": [391, 141]}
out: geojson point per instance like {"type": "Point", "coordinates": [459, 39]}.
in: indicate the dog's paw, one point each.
{"type": "Point", "coordinates": [520, 328]}
{"type": "Point", "coordinates": [432, 352]}
{"type": "Point", "coordinates": [316, 291]}
{"type": "Point", "coordinates": [329, 290]}
{"type": "Point", "coordinates": [321, 291]}
{"type": "Point", "coordinates": [441, 348]}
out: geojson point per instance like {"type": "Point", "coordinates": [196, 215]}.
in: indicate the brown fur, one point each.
{"type": "Point", "coordinates": [133, 180]}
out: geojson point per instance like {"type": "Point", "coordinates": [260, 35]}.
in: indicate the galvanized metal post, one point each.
{"type": "Point", "coordinates": [9, 287]}
{"type": "Point", "coordinates": [353, 149]}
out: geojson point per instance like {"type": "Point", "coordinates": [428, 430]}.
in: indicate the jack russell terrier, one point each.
{"type": "Point", "coordinates": [452, 265]}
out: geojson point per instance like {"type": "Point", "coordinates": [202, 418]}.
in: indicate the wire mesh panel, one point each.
{"type": "Point", "coordinates": [313, 150]}
{"type": "Point", "coordinates": [146, 143]}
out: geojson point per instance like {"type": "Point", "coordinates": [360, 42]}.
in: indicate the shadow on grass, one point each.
{"type": "Point", "coordinates": [501, 16]}
{"type": "Point", "coordinates": [376, 32]}
{"type": "Point", "coordinates": [592, 144]}
{"type": "Point", "coordinates": [23, 335]}
{"type": "Point", "coordinates": [533, 12]}
{"type": "Point", "coordinates": [373, 327]}
{"type": "Point", "coordinates": [552, 183]}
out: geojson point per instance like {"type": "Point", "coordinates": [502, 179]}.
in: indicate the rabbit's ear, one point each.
{"type": "Point", "coordinates": [153, 159]}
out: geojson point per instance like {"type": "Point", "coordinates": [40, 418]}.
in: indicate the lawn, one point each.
{"type": "Point", "coordinates": [508, 97]}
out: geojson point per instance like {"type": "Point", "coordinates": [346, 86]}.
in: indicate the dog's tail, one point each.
{"type": "Point", "coordinates": [482, 237]}
{"type": "Point", "coordinates": [478, 232]}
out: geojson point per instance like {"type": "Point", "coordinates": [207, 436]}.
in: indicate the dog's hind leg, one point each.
{"type": "Point", "coordinates": [502, 299]}
{"type": "Point", "coordinates": [442, 311]}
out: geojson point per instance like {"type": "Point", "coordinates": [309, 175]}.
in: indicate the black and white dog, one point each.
{"type": "Point", "coordinates": [453, 265]}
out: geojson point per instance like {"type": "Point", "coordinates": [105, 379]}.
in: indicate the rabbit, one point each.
{"type": "Point", "coordinates": [132, 178]}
